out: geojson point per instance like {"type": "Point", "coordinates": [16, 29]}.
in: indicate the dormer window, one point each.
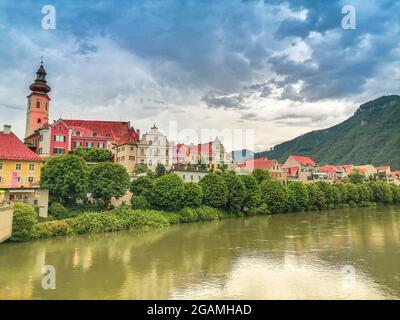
{"type": "Point", "coordinates": [94, 134]}
{"type": "Point", "coordinates": [77, 133]}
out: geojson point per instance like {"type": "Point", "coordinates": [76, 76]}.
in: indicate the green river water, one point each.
{"type": "Point", "coordinates": [341, 254]}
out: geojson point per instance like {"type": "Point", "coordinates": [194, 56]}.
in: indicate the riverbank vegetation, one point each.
{"type": "Point", "coordinates": [163, 199]}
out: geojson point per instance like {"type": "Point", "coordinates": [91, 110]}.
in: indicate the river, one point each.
{"type": "Point", "coordinates": [340, 254]}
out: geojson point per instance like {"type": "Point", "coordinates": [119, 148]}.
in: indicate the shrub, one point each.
{"type": "Point", "coordinates": [192, 195]}
{"type": "Point", "coordinates": [58, 211]}
{"type": "Point", "coordinates": [261, 209]}
{"type": "Point", "coordinates": [215, 191]}
{"type": "Point", "coordinates": [167, 191]}
{"type": "Point", "coordinates": [381, 191]}
{"type": "Point", "coordinates": [274, 195]}
{"type": "Point", "coordinates": [327, 189]}
{"type": "Point", "coordinates": [24, 219]}
{"type": "Point", "coordinates": [252, 194]}
{"type": "Point", "coordinates": [95, 222]}
{"type": "Point", "coordinates": [160, 170]}
{"type": "Point", "coordinates": [207, 213]}
{"type": "Point", "coordinates": [395, 193]}
{"type": "Point", "coordinates": [236, 192]}
{"type": "Point", "coordinates": [139, 203]}
{"type": "Point", "coordinates": [352, 193]}
{"type": "Point", "coordinates": [298, 196]}
{"type": "Point", "coordinates": [141, 219]}
{"type": "Point", "coordinates": [52, 229]}
{"type": "Point", "coordinates": [188, 215]}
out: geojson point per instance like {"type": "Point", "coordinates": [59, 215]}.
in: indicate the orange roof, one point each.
{"type": "Point", "coordinates": [11, 148]}
{"type": "Point", "coordinates": [304, 160]}
{"type": "Point", "coordinates": [396, 173]}
{"type": "Point", "coordinates": [384, 168]}
{"type": "Point", "coordinates": [328, 168]}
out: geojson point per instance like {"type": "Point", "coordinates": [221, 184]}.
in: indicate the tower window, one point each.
{"type": "Point", "coordinates": [39, 120]}
{"type": "Point", "coordinates": [38, 104]}
{"type": "Point", "coordinates": [47, 105]}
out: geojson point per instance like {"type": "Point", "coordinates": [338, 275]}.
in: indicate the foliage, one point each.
{"type": "Point", "coordinates": [275, 195]}
{"type": "Point", "coordinates": [142, 186]}
{"type": "Point", "coordinates": [356, 177]}
{"type": "Point", "coordinates": [260, 210]}
{"type": "Point", "coordinates": [66, 177]}
{"type": "Point", "coordinates": [298, 196]}
{"type": "Point", "coordinates": [93, 154]}
{"type": "Point", "coordinates": [327, 189]}
{"type": "Point", "coordinates": [108, 180]}
{"type": "Point", "coordinates": [371, 135]}
{"type": "Point", "coordinates": [252, 196]}
{"type": "Point", "coordinates": [25, 217]}
{"type": "Point", "coordinates": [261, 175]}
{"type": "Point", "coordinates": [192, 195]}
{"type": "Point", "coordinates": [167, 192]}
{"type": "Point", "coordinates": [139, 203]}
{"type": "Point", "coordinates": [316, 198]}
{"type": "Point", "coordinates": [160, 170]}
{"type": "Point", "coordinates": [57, 210]}
{"type": "Point", "coordinates": [236, 192]}
{"type": "Point", "coordinates": [215, 191]}
{"type": "Point", "coordinates": [382, 192]}
{"type": "Point", "coordinates": [52, 229]}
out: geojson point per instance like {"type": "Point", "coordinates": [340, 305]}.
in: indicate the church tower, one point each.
{"type": "Point", "coordinates": [38, 103]}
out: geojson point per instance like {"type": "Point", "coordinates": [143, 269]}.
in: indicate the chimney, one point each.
{"type": "Point", "coordinates": [7, 129]}
{"type": "Point", "coordinates": [138, 133]}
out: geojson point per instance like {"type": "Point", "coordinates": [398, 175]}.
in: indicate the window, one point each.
{"type": "Point", "coordinates": [59, 128]}
{"type": "Point", "coordinates": [1, 179]}
{"type": "Point", "coordinates": [60, 138]}
{"type": "Point", "coordinates": [78, 144]}
{"type": "Point", "coordinates": [191, 178]}
{"type": "Point", "coordinates": [123, 158]}
{"type": "Point", "coordinates": [47, 105]}
{"type": "Point", "coordinates": [123, 148]}
{"type": "Point", "coordinates": [141, 161]}
{"type": "Point", "coordinates": [40, 151]}
{"type": "Point", "coordinates": [41, 137]}
{"type": "Point", "coordinates": [94, 134]}
{"type": "Point", "coordinates": [142, 152]}
{"type": "Point", "coordinates": [150, 143]}
{"type": "Point", "coordinates": [18, 166]}
{"type": "Point", "coordinates": [19, 179]}
{"type": "Point", "coordinates": [31, 179]}
{"type": "Point", "coordinates": [101, 145]}
{"type": "Point", "coordinates": [131, 148]}
{"type": "Point", "coordinates": [132, 158]}
{"type": "Point", "coordinates": [89, 144]}
{"type": "Point", "coordinates": [77, 133]}
{"type": "Point", "coordinates": [31, 167]}
{"type": "Point", "coordinates": [183, 177]}
{"type": "Point", "coordinates": [118, 159]}
{"type": "Point", "coordinates": [58, 151]}
{"type": "Point", "coordinates": [150, 162]}
{"type": "Point", "coordinates": [39, 120]}
{"type": "Point", "coordinates": [37, 104]}
{"type": "Point", "coordinates": [1, 166]}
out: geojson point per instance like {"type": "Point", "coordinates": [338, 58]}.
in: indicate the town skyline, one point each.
{"type": "Point", "coordinates": [284, 81]}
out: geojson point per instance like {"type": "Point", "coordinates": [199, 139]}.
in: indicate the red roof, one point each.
{"type": "Point", "coordinates": [328, 169]}
{"type": "Point", "coordinates": [291, 171]}
{"type": "Point", "coordinates": [384, 168]}
{"type": "Point", "coordinates": [262, 163]}
{"type": "Point", "coordinates": [304, 160]}
{"type": "Point", "coordinates": [111, 130]}
{"type": "Point", "coordinates": [11, 148]}
{"type": "Point", "coordinates": [130, 137]}
{"type": "Point", "coordinates": [396, 173]}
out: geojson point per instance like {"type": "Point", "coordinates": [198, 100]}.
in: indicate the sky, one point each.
{"type": "Point", "coordinates": [270, 69]}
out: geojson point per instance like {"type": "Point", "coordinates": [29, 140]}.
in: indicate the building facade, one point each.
{"type": "Point", "coordinates": [20, 170]}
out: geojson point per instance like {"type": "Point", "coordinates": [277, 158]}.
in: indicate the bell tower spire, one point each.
{"type": "Point", "coordinates": [37, 115]}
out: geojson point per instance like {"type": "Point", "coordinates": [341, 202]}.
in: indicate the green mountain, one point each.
{"type": "Point", "coordinates": [370, 136]}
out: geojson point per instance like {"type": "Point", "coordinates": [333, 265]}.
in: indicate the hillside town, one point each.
{"type": "Point", "coordinates": [21, 161]}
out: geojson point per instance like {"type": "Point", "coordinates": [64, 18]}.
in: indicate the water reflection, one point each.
{"type": "Point", "coordinates": [298, 256]}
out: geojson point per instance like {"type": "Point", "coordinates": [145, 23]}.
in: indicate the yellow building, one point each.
{"type": "Point", "coordinates": [20, 170]}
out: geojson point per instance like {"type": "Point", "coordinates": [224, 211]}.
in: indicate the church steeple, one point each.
{"type": "Point", "coordinates": [40, 84]}
{"type": "Point", "coordinates": [38, 103]}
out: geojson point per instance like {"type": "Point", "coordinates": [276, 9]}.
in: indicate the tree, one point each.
{"type": "Point", "coordinates": [139, 203]}
{"type": "Point", "coordinates": [108, 180]}
{"type": "Point", "coordinates": [141, 185]}
{"type": "Point", "coordinates": [93, 154]}
{"type": "Point", "coordinates": [261, 175]}
{"type": "Point", "coordinates": [381, 191]}
{"type": "Point", "coordinates": [298, 196]}
{"type": "Point", "coordinates": [236, 192]}
{"type": "Point", "coordinates": [167, 192]}
{"type": "Point", "coordinates": [352, 192]}
{"type": "Point", "coordinates": [215, 191]}
{"type": "Point", "coordinates": [316, 198]}
{"type": "Point", "coordinates": [326, 188]}
{"type": "Point", "coordinates": [66, 177]}
{"type": "Point", "coordinates": [356, 177]}
{"type": "Point", "coordinates": [275, 195]}
{"type": "Point", "coordinates": [395, 193]}
{"type": "Point", "coordinates": [160, 170]}
{"type": "Point", "coordinates": [192, 195]}
{"type": "Point", "coordinates": [252, 197]}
